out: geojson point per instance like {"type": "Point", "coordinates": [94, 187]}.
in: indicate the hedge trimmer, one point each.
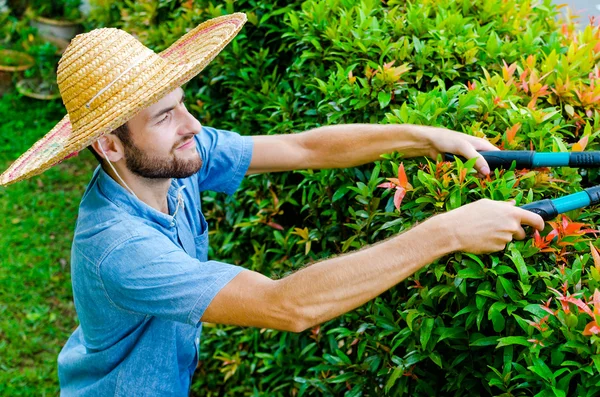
{"type": "Point", "coordinates": [547, 208]}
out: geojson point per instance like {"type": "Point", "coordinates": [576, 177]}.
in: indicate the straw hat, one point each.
{"type": "Point", "coordinates": [106, 77]}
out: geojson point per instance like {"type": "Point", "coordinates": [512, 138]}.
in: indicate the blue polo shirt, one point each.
{"type": "Point", "coordinates": [142, 280]}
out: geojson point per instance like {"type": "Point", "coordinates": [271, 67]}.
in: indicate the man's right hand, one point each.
{"type": "Point", "coordinates": [487, 226]}
{"type": "Point", "coordinates": [326, 289]}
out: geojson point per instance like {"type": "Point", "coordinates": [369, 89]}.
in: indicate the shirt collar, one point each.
{"type": "Point", "coordinates": [134, 206]}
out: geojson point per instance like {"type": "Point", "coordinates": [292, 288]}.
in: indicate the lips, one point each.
{"type": "Point", "coordinates": [186, 145]}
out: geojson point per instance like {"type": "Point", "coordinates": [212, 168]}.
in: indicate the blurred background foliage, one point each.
{"type": "Point", "coordinates": [513, 323]}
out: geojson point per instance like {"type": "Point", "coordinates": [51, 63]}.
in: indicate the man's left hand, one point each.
{"type": "Point", "coordinates": [443, 140]}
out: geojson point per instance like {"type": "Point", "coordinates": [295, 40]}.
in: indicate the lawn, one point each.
{"type": "Point", "coordinates": [38, 218]}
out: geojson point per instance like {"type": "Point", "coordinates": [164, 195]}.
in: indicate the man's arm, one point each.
{"type": "Point", "coordinates": [349, 145]}
{"type": "Point", "coordinates": [327, 289]}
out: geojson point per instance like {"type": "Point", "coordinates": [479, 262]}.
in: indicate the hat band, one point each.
{"type": "Point", "coordinates": [136, 61]}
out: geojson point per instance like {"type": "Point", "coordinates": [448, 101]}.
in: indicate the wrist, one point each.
{"type": "Point", "coordinates": [421, 138]}
{"type": "Point", "coordinates": [447, 240]}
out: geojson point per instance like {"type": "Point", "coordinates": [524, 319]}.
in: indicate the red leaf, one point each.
{"type": "Point", "coordinates": [402, 176]}
{"type": "Point", "coordinates": [387, 185]}
{"type": "Point", "coordinates": [512, 132]}
{"type": "Point", "coordinates": [537, 240]}
{"type": "Point", "coordinates": [591, 329]}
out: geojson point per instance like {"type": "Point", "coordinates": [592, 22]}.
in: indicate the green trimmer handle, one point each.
{"type": "Point", "coordinates": [550, 208]}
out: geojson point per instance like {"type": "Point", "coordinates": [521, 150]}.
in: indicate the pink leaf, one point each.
{"type": "Point", "coordinates": [547, 309]}
{"type": "Point", "coordinates": [275, 225]}
{"type": "Point", "coordinates": [579, 303]}
{"type": "Point", "coordinates": [595, 256]}
{"type": "Point", "coordinates": [398, 196]}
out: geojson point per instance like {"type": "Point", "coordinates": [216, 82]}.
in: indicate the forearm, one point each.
{"type": "Point", "coordinates": [335, 286]}
{"type": "Point", "coordinates": [349, 145]}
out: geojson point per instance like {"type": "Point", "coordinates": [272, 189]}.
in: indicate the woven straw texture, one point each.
{"type": "Point", "coordinates": [106, 77]}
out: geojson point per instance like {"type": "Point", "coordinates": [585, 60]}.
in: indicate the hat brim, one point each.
{"type": "Point", "coordinates": [184, 59]}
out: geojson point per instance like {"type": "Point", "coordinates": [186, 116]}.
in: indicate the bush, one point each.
{"type": "Point", "coordinates": [518, 322]}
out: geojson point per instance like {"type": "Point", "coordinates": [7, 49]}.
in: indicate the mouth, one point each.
{"type": "Point", "coordinates": [188, 144]}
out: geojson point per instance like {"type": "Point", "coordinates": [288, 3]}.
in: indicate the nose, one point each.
{"type": "Point", "coordinates": [189, 124]}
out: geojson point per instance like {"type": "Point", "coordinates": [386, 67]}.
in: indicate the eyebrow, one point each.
{"type": "Point", "coordinates": [165, 110]}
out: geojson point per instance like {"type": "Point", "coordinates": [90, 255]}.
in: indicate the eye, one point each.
{"type": "Point", "coordinates": [163, 119]}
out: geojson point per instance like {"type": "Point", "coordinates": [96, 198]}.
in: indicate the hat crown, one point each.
{"type": "Point", "coordinates": [92, 62]}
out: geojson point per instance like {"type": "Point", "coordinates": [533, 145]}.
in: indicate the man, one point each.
{"type": "Point", "coordinates": [142, 281]}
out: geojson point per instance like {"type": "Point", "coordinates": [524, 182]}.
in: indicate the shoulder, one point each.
{"type": "Point", "coordinates": [96, 241]}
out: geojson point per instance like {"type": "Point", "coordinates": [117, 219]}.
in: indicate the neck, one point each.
{"type": "Point", "coordinates": [151, 191]}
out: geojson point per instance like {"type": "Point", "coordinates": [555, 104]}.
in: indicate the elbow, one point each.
{"type": "Point", "coordinates": [292, 315]}
{"type": "Point", "coordinates": [301, 319]}
{"type": "Point", "coordinates": [299, 326]}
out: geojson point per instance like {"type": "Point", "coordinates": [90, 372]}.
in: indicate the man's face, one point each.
{"type": "Point", "coordinates": [161, 140]}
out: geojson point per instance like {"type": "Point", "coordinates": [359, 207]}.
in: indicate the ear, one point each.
{"type": "Point", "coordinates": [108, 146]}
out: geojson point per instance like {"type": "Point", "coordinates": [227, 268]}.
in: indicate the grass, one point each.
{"type": "Point", "coordinates": [38, 217]}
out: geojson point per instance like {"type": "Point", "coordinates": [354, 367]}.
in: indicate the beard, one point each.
{"type": "Point", "coordinates": [151, 167]}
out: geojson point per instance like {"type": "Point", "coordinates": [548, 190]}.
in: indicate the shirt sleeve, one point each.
{"type": "Point", "coordinates": [226, 156]}
{"type": "Point", "coordinates": [150, 275]}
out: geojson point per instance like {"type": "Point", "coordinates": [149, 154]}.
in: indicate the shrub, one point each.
{"type": "Point", "coordinates": [518, 322]}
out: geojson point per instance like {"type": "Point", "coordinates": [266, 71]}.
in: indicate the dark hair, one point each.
{"type": "Point", "coordinates": [121, 132]}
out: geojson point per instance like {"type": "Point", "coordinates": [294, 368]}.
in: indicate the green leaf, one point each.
{"type": "Point", "coordinates": [509, 289]}
{"type": "Point", "coordinates": [558, 392]}
{"type": "Point", "coordinates": [425, 331]}
{"type": "Point", "coordinates": [412, 315]}
{"type": "Point", "coordinates": [392, 379]}
{"type": "Point", "coordinates": [475, 257]}
{"type": "Point", "coordinates": [393, 223]}
{"type": "Point", "coordinates": [495, 314]}
{"type": "Point", "coordinates": [339, 193]}
{"type": "Point", "coordinates": [569, 109]}
{"type": "Point", "coordinates": [470, 273]}
{"type": "Point", "coordinates": [596, 360]}
{"type": "Point", "coordinates": [488, 294]}
{"type": "Point", "coordinates": [451, 333]}
{"type": "Point", "coordinates": [513, 340]}
{"type": "Point", "coordinates": [342, 378]}
{"type": "Point", "coordinates": [384, 98]}
{"type": "Point", "coordinates": [343, 356]}
{"type": "Point", "coordinates": [517, 259]}
{"type": "Point", "coordinates": [485, 341]}
{"type": "Point", "coordinates": [465, 310]}
{"type": "Point", "coordinates": [436, 358]}
{"type": "Point", "coordinates": [540, 368]}
{"type": "Point", "coordinates": [524, 287]}
{"type": "Point", "coordinates": [503, 269]}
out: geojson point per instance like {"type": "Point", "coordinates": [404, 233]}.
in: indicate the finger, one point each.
{"type": "Point", "coordinates": [531, 219]}
{"type": "Point", "coordinates": [469, 152]}
{"type": "Point", "coordinates": [481, 143]}
{"type": "Point", "coordinates": [519, 234]}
